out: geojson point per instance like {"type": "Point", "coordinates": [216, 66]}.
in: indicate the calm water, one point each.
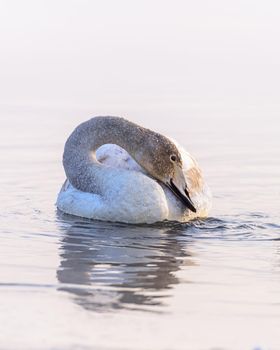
{"type": "Point", "coordinates": [69, 283]}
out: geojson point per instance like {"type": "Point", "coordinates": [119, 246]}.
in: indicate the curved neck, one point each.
{"type": "Point", "coordinates": [79, 161]}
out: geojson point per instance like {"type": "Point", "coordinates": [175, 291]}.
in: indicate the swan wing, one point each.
{"type": "Point", "coordinates": [117, 157]}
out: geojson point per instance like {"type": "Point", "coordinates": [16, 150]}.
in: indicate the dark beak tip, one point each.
{"type": "Point", "coordinates": [189, 205]}
{"type": "Point", "coordinates": [184, 198]}
{"type": "Point", "coordinates": [193, 210]}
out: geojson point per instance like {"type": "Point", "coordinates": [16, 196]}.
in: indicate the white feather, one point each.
{"type": "Point", "coordinates": [134, 197]}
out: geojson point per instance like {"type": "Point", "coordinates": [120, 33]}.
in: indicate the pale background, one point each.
{"type": "Point", "coordinates": [186, 57]}
{"type": "Point", "coordinates": [203, 72]}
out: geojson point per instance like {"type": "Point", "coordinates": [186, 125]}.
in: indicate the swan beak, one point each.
{"type": "Point", "coordinates": [179, 187]}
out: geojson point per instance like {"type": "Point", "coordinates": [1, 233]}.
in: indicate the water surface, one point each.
{"type": "Point", "coordinates": [70, 283]}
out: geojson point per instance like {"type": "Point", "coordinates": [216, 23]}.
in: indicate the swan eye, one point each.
{"type": "Point", "coordinates": [173, 158]}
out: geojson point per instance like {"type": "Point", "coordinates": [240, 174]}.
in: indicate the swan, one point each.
{"type": "Point", "coordinates": [119, 171]}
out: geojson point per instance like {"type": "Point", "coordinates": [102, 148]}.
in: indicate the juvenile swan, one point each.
{"type": "Point", "coordinates": [119, 171]}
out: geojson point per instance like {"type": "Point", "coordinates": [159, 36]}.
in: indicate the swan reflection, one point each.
{"type": "Point", "coordinates": [109, 266]}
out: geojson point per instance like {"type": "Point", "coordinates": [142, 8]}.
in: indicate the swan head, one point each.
{"type": "Point", "coordinates": [161, 159]}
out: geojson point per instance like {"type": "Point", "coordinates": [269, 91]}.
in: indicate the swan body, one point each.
{"type": "Point", "coordinates": [119, 188]}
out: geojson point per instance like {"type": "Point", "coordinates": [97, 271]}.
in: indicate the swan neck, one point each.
{"type": "Point", "coordinates": [81, 167]}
